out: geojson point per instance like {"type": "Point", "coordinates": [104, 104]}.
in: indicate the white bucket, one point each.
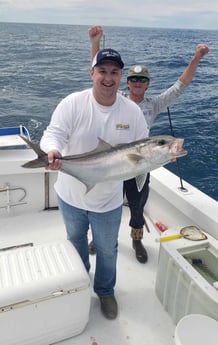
{"type": "Point", "coordinates": [196, 329]}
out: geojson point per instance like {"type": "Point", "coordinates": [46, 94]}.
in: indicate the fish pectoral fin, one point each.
{"type": "Point", "coordinates": [134, 158]}
{"type": "Point", "coordinates": [140, 181]}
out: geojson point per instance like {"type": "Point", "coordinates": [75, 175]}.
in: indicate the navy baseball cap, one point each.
{"type": "Point", "coordinates": [109, 55]}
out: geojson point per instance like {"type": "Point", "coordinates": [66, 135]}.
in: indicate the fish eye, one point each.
{"type": "Point", "coordinates": [161, 142]}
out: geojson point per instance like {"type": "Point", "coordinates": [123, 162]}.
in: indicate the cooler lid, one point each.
{"type": "Point", "coordinates": [34, 272]}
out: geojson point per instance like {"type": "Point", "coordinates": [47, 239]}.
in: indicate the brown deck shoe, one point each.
{"type": "Point", "coordinates": [109, 307]}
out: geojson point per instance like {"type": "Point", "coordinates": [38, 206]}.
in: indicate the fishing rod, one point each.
{"type": "Point", "coordinates": [103, 41]}
{"type": "Point", "coordinates": [182, 188]}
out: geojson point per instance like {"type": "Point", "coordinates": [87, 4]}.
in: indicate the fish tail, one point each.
{"type": "Point", "coordinates": [36, 163]}
{"type": "Point", "coordinates": [41, 161]}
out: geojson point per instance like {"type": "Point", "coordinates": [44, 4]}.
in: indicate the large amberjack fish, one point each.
{"type": "Point", "coordinates": [113, 163]}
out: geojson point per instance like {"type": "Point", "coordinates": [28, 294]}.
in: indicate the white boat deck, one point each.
{"type": "Point", "coordinates": [142, 319]}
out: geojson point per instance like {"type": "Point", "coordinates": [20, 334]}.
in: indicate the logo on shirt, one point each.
{"type": "Point", "coordinates": [122, 126]}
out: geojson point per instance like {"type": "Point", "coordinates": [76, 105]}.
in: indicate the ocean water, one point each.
{"type": "Point", "coordinates": [40, 64]}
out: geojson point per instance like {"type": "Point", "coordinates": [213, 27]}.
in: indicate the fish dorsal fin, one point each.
{"type": "Point", "coordinates": [140, 181]}
{"type": "Point", "coordinates": [134, 158]}
{"type": "Point", "coordinates": [88, 187]}
{"type": "Point", "coordinates": [101, 147]}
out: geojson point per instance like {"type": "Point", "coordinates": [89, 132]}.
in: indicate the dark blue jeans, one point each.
{"type": "Point", "coordinates": [105, 228]}
{"type": "Point", "coordinates": [136, 201]}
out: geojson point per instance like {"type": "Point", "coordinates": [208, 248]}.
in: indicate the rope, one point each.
{"type": "Point", "coordinates": [182, 188]}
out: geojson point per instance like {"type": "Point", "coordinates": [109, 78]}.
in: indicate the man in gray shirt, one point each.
{"type": "Point", "coordinates": [138, 80]}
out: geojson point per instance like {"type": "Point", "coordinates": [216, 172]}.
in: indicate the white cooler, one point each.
{"type": "Point", "coordinates": [44, 294]}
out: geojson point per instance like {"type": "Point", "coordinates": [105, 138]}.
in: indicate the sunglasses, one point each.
{"type": "Point", "coordinates": [138, 79]}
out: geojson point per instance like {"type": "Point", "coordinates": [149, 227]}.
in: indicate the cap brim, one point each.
{"type": "Point", "coordinates": [118, 63]}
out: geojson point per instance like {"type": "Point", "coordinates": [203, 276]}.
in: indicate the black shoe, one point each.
{"type": "Point", "coordinates": [140, 251]}
{"type": "Point", "coordinates": [92, 250]}
{"type": "Point", "coordinates": [109, 307]}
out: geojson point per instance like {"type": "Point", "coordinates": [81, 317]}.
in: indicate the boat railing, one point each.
{"type": "Point", "coordinates": [17, 130]}
{"type": "Point", "coordinates": [8, 189]}
{"type": "Point", "coordinates": [10, 137]}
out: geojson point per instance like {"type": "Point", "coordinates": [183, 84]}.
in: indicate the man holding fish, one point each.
{"type": "Point", "coordinates": [138, 80]}
{"type": "Point", "coordinates": [88, 125]}
{"type": "Point", "coordinates": [76, 124]}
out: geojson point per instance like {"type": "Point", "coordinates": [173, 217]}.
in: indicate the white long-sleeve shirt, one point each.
{"type": "Point", "coordinates": [76, 124]}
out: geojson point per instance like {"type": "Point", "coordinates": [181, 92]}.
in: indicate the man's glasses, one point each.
{"type": "Point", "coordinates": [138, 79]}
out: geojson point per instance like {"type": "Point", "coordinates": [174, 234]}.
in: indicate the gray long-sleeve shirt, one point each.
{"type": "Point", "coordinates": [153, 105]}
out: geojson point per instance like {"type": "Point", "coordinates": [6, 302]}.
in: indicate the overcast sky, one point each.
{"type": "Point", "coordinates": [196, 14]}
